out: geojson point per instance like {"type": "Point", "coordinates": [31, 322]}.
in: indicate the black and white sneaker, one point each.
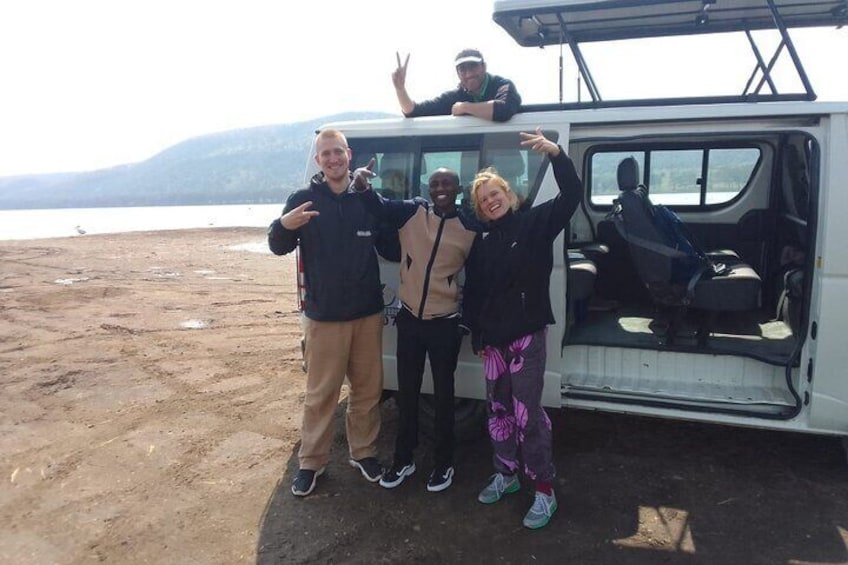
{"type": "Point", "coordinates": [304, 481]}
{"type": "Point", "coordinates": [395, 476]}
{"type": "Point", "coordinates": [370, 467]}
{"type": "Point", "coordinates": [440, 479]}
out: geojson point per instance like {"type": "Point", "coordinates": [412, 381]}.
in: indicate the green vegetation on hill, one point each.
{"type": "Point", "coordinates": [247, 166]}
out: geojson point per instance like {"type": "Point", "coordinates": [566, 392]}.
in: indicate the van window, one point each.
{"type": "Point", "coordinates": [404, 164]}
{"type": "Point", "coordinates": [522, 168]}
{"type": "Point", "coordinates": [729, 171]}
{"type": "Point", "coordinates": [464, 163]}
{"type": "Point", "coordinates": [393, 165]}
{"type": "Point", "coordinates": [604, 175]}
{"type": "Point", "coordinates": [393, 170]}
{"type": "Point", "coordinates": [686, 177]}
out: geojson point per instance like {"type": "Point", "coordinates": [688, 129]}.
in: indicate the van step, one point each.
{"type": "Point", "coordinates": [678, 391]}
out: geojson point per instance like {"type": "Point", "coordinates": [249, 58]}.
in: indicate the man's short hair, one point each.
{"type": "Point", "coordinates": [446, 171]}
{"type": "Point", "coordinates": [332, 134]}
{"type": "Point", "coordinates": [468, 56]}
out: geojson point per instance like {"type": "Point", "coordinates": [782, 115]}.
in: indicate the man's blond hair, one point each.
{"type": "Point", "coordinates": [332, 134]}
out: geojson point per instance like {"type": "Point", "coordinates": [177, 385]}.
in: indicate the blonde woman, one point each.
{"type": "Point", "coordinates": [507, 307]}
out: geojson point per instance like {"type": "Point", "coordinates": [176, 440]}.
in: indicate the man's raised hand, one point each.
{"type": "Point", "coordinates": [538, 142]}
{"type": "Point", "coordinates": [362, 176]}
{"type": "Point", "coordinates": [298, 217]}
{"type": "Point", "coordinates": [399, 74]}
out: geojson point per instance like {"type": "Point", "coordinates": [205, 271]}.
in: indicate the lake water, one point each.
{"type": "Point", "coordinates": [36, 224]}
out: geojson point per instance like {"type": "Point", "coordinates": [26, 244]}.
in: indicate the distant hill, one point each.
{"type": "Point", "coordinates": [250, 166]}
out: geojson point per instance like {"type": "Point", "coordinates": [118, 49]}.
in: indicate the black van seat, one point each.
{"type": "Point", "coordinates": [616, 272]}
{"type": "Point", "coordinates": [736, 290]}
{"type": "Point", "coordinates": [581, 285]}
{"type": "Point", "coordinates": [723, 282]}
{"type": "Point", "coordinates": [581, 276]}
{"type": "Point", "coordinates": [594, 252]}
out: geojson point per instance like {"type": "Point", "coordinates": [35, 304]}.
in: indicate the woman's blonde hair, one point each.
{"type": "Point", "coordinates": [490, 174]}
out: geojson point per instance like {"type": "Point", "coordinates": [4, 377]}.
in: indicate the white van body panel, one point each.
{"type": "Point", "coordinates": [829, 307]}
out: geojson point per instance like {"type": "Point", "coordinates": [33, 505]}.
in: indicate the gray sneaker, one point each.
{"type": "Point", "coordinates": [540, 513]}
{"type": "Point", "coordinates": [498, 486]}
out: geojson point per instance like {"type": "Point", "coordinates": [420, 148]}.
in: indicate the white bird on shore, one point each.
{"type": "Point", "coordinates": [80, 230]}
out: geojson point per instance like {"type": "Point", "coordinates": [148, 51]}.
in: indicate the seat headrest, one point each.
{"type": "Point", "coordinates": [508, 162]}
{"type": "Point", "coordinates": [628, 174]}
{"type": "Point", "coordinates": [394, 161]}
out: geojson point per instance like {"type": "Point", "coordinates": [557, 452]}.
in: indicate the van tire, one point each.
{"type": "Point", "coordinates": [845, 448]}
{"type": "Point", "coordinates": [469, 418]}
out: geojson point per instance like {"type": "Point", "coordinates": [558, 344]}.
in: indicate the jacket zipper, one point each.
{"type": "Point", "coordinates": [429, 268]}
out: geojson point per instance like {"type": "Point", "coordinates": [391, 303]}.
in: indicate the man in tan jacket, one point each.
{"type": "Point", "coordinates": [435, 239]}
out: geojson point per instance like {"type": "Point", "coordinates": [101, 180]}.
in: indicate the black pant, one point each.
{"type": "Point", "coordinates": [441, 340]}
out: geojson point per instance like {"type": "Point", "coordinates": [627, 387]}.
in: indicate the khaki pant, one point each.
{"type": "Point", "coordinates": [333, 350]}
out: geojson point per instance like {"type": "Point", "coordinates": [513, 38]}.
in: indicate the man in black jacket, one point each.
{"type": "Point", "coordinates": [478, 94]}
{"type": "Point", "coordinates": [342, 314]}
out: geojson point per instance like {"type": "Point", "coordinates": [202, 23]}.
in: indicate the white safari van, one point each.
{"type": "Point", "coordinates": [761, 176]}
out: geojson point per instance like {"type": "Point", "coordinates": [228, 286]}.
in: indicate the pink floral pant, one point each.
{"type": "Point", "coordinates": [518, 425]}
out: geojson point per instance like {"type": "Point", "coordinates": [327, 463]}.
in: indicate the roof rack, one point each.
{"type": "Point", "coordinates": [537, 23]}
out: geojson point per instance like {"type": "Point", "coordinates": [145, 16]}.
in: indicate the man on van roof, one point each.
{"type": "Point", "coordinates": [478, 94]}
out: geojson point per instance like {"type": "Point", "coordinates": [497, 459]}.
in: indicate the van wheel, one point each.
{"type": "Point", "coordinates": [845, 447]}
{"type": "Point", "coordinates": [469, 418]}
{"type": "Point", "coordinates": [387, 394]}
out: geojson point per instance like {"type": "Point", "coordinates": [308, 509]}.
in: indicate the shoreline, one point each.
{"type": "Point", "coordinates": [171, 232]}
{"type": "Point", "coordinates": [21, 225]}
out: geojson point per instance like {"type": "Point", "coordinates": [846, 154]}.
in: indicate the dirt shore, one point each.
{"type": "Point", "coordinates": [151, 396]}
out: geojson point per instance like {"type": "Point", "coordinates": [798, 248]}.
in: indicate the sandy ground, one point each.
{"type": "Point", "coordinates": [151, 394]}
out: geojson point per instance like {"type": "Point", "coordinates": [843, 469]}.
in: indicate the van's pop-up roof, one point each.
{"type": "Point", "coordinates": [535, 23]}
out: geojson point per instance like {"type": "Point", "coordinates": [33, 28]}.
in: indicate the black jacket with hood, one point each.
{"type": "Point", "coordinates": [340, 268]}
{"type": "Point", "coordinates": [507, 288]}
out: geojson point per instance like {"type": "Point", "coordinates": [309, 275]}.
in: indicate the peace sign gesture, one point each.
{"type": "Point", "coordinates": [539, 143]}
{"type": "Point", "coordinates": [399, 74]}
{"type": "Point", "coordinates": [298, 217]}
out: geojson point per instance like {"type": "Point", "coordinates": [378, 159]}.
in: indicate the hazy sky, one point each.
{"type": "Point", "coordinates": [94, 83]}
